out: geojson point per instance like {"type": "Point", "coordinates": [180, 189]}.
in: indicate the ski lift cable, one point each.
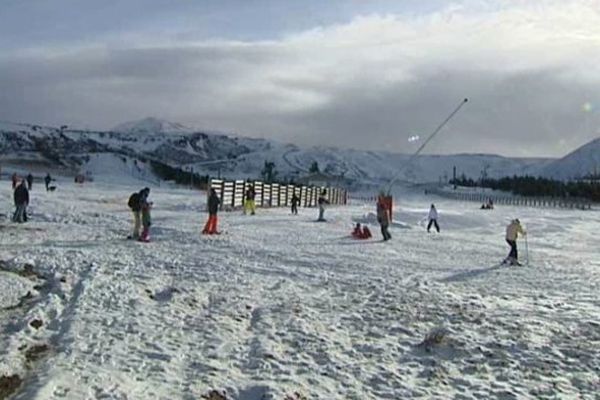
{"type": "Point", "coordinates": [416, 153]}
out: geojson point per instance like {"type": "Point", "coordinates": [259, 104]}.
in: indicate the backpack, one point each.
{"type": "Point", "coordinates": [134, 201]}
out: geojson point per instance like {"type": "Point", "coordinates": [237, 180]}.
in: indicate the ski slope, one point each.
{"type": "Point", "coordinates": [279, 305]}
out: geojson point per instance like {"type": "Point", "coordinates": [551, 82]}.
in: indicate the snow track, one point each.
{"type": "Point", "coordinates": [279, 304]}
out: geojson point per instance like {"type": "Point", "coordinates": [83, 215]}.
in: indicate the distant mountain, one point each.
{"type": "Point", "coordinates": [148, 126]}
{"type": "Point", "coordinates": [579, 163]}
{"type": "Point", "coordinates": [235, 157]}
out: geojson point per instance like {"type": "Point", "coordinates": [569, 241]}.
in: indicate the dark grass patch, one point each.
{"type": "Point", "coordinates": [37, 352]}
{"type": "Point", "coordinates": [215, 395]}
{"type": "Point", "coordinates": [9, 385]}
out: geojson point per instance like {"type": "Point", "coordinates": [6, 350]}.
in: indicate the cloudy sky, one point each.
{"type": "Point", "coordinates": [352, 73]}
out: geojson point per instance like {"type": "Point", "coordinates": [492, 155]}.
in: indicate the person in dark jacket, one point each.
{"type": "Point", "coordinates": [47, 181]}
{"type": "Point", "coordinates": [29, 181]}
{"type": "Point", "coordinates": [322, 201]}
{"type": "Point", "coordinates": [21, 197]}
{"type": "Point", "coordinates": [134, 206]}
{"type": "Point", "coordinates": [295, 203]}
{"type": "Point", "coordinates": [213, 208]}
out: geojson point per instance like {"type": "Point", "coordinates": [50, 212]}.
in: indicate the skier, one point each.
{"type": "Point", "coordinates": [29, 181]}
{"type": "Point", "coordinates": [134, 205]}
{"type": "Point", "coordinates": [145, 207]}
{"type": "Point", "coordinates": [295, 203]}
{"type": "Point", "coordinates": [213, 207]}
{"type": "Point", "coordinates": [21, 198]}
{"type": "Point", "coordinates": [383, 217]}
{"type": "Point", "coordinates": [433, 215]}
{"type": "Point", "coordinates": [249, 204]}
{"type": "Point", "coordinates": [512, 232]}
{"type": "Point", "coordinates": [322, 201]}
{"type": "Point", "coordinates": [47, 181]}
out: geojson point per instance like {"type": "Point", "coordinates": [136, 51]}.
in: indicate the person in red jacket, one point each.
{"type": "Point", "coordinates": [357, 232]}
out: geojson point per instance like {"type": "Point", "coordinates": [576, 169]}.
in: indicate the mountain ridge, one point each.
{"type": "Point", "coordinates": [242, 157]}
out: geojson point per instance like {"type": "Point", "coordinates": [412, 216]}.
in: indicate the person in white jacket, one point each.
{"type": "Point", "coordinates": [433, 215]}
{"type": "Point", "coordinates": [512, 233]}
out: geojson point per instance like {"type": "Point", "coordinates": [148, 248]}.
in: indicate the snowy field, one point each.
{"type": "Point", "coordinates": [281, 307]}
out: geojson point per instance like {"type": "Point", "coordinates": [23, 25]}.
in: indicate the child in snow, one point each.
{"type": "Point", "coordinates": [512, 233]}
{"type": "Point", "coordinates": [213, 207]}
{"type": "Point", "coordinates": [433, 215]}
{"type": "Point", "coordinates": [361, 232]}
{"type": "Point", "coordinates": [366, 232]}
{"type": "Point", "coordinates": [145, 207]}
{"type": "Point", "coordinates": [357, 232]}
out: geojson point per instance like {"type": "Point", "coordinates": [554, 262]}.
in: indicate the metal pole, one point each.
{"type": "Point", "coordinates": [462, 103]}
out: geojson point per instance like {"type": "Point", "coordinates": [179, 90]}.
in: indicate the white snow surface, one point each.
{"type": "Point", "coordinates": [279, 304]}
{"type": "Point", "coordinates": [12, 289]}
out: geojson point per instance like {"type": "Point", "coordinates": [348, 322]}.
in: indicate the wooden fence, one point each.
{"type": "Point", "coordinates": [232, 194]}
{"type": "Point", "coordinates": [548, 202]}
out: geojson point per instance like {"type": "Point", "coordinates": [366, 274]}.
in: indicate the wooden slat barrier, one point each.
{"type": "Point", "coordinates": [232, 194]}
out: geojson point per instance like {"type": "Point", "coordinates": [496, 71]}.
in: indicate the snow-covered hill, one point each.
{"type": "Point", "coordinates": [579, 163]}
{"type": "Point", "coordinates": [151, 126]}
{"type": "Point", "coordinates": [241, 157]}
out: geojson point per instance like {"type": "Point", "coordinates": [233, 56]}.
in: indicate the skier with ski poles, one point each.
{"type": "Point", "coordinates": [512, 233]}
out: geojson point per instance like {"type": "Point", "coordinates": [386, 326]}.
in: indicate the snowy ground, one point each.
{"type": "Point", "coordinates": [282, 306]}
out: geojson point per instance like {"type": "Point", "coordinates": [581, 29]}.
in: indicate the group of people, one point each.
{"type": "Point", "coordinates": [513, 230]}
{"type": "Point", "coordinates": [21, 188]}
{"type": "Point", "coordinates": [16, 181]}
{"type": "Point", "coordinates": [489, 205]}
{"type": "Point", "coordinates": [140, 207]}
{"type": "Point", "coordinates": [250, 203]}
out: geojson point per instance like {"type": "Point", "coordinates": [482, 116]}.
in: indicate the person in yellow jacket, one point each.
{"type": "Point", "coordinates": [249, 204]}
{"type": "Point", "coordinates": [512, 233]}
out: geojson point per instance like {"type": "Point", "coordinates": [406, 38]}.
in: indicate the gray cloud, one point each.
{"type": "Point", "coordinates": [370, 84]}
